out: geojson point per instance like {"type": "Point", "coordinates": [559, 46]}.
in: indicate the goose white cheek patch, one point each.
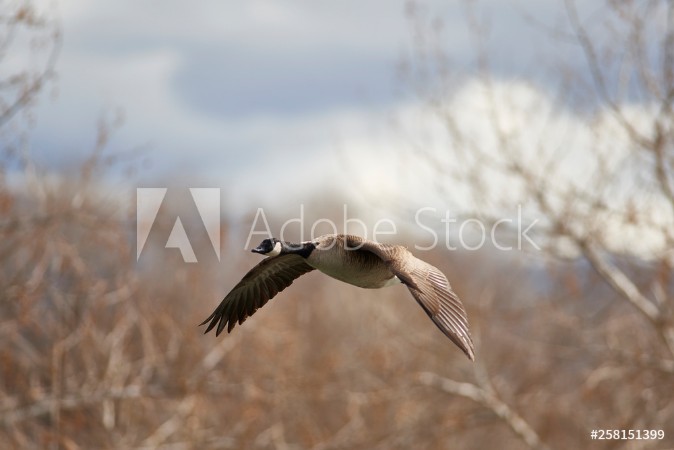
{"type": "Point", "coordinates": [276, 251]}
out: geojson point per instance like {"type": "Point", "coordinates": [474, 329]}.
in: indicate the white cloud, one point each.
{"type": "Point", "coordinates": [566, 152]}
{"type": "Point", "coordinates": [127, 55]}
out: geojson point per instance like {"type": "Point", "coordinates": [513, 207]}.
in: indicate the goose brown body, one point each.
{"type": "Point", "coordinates": [343, 258]}
{"type": "Point", "coordinates": [353, 260]}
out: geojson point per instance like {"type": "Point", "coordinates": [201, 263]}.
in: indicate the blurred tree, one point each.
{"type": "Point", "coordinates": [99, 352]}
{"type": "Point", "coordinates": [25, 31]}
{"type": "Point", "coordinates": [595, 165]}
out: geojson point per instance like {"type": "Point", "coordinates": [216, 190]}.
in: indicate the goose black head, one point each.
{"type": "Point", "coordinates": [269, 247]}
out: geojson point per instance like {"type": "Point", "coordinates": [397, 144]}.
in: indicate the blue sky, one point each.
{"type": "Point", "coordinates": [255, 96]}
{"type": "Point", "coordinates": [279, 102]}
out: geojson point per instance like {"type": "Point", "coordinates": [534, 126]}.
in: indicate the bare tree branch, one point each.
{"type": "Point", "coordinates": [629, 291]}
{"type": "Point", "coordinates": [490, 400]}
{"type": "Point", "coordinates": [70, 402]}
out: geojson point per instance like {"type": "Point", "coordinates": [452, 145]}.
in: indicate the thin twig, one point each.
{"type": "Point", "coordinates": [490, 400]}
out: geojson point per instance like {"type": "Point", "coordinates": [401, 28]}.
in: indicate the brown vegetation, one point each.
{"type": "Point", "coordinates": [101, 351]}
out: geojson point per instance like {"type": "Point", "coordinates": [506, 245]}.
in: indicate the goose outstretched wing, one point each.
{"type": "Point", "coordinates": [255, 289]}
{"type": "Point", "coordinates": [432, 291]}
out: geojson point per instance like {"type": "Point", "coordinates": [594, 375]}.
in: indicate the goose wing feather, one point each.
{"type": "Point", "coordinates": [432, 291]}
{"type": "Point", "coordinates": [255, 289]}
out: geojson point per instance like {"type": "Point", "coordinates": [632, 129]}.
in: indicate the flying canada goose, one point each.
{"type": "Point", "coordinates": [354, 260]}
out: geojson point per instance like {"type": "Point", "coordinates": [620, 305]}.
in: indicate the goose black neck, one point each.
{"type": "Point", "coordinates": [303, 250]}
